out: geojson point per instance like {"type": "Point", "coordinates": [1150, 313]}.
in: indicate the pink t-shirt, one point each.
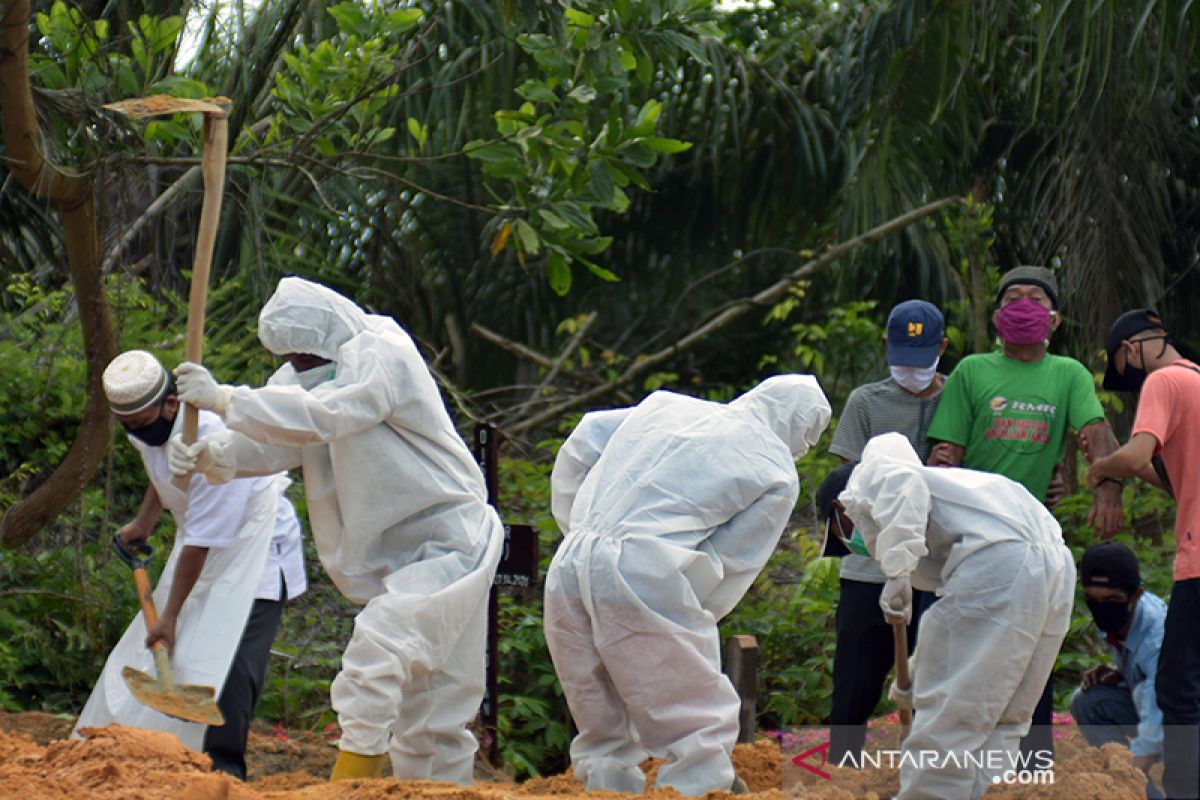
{"type": "Point", "coordinates": [1169, 410]}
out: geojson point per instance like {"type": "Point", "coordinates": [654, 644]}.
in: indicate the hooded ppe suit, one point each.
{"type": "Point", "coordinates": [1006, 580]}
{"type": "Point", "coordinates": [399, 515]}
{"type": "Point", "coordinates": [669, 510]}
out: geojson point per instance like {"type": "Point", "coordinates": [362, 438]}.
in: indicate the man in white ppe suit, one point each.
{"type": "Point", "coordinates": [996, 557]}
{"type": "Point", "coordinates": [237, 560]}
{"type": "Point", "coordinates": [669, 510]}
{"type": "Point", "coordinates": [399, 514]}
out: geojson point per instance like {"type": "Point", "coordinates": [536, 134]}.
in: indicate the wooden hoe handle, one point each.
{"type": "Point", "coordinates": [212, 168]}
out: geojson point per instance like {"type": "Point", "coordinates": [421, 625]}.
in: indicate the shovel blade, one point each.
{"type": "Point", "coordinates": [160, 104]}
{"type": "Point", "coordinates": [181, 701]}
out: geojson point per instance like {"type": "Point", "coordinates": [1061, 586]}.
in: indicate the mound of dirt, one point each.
{"type": "Point", "coordinates": [118, 762]}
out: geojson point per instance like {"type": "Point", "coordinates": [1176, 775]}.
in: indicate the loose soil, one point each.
{"type": "Point", "coordinates": [37, 761]}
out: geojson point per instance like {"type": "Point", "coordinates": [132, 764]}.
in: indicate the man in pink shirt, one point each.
{"type": "Point", "coordinates": [1164, 449]}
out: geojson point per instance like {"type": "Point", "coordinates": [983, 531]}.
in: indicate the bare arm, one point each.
{"type": "Point", "coordinates": [187, 572]}
{"type": "Point", "coordinates": [140, 528]}
{"type": "Point", "coordinates": [1132, 459]}
{"type": "Point", "coordinates": [1107, 513]}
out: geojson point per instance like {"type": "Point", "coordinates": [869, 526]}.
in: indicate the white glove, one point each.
{"type": "Point", "coordinates": [903, 698]}
{"type": "Point", "coordinates": [896, 600]}
{"type": "Point", "coordinates": [195, 385]}
{"type": "Point", "coordinates": [184, 459]}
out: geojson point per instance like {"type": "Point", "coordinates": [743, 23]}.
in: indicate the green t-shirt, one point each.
{"type": "Point", "coordinates": [1011, 417]}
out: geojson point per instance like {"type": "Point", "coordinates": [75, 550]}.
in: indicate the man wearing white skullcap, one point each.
{"type": "Point", "coordinates": [399, 514]}
{"type": "Point", "coordinates": [237, 559]}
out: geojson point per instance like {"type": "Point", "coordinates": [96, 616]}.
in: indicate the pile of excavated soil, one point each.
{"type": "Point", "coordinates": [119, 762]}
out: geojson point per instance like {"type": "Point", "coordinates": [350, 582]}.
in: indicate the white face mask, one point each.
{"type": "Point", "coordinates": [914, 379]}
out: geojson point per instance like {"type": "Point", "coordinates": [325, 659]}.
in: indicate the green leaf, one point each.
{"type": "Point", "coordinates": [686, 43]}
{"type": "Point", "coordinates": [558, 272]}
{"type": "Point", "coordinates": [528, 237]}
{"type": "Point", "coordinates": [491, 151]}
{"type": "Point", "coordinates": [180, 86]}
{"type": "Point", "coordinates": [647, 118]}
{"type": "Point", "coordinates": [403, 20]}
{"type": "Point", "coordinates": [628, 59]}
{"type": "Point", "coordinates": [574, 215]}
{"type": "Point", "coordinates": [419, 132]}
{"type": "Point", "coordinates": [583, 94]}
{"type": "Point", "coordinates": [554, 221]}
{"type": "Point", "coordinates": [537, 91]}
{"type": "Point", "coordinates": [664, 145]}
{"type": "Point", "coordinates": [351, 18]}
{"type": "Point", "coordinates": [579, 18]}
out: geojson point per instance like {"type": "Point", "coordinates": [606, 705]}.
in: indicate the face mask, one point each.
{"type": "Point", "coordinates": [311, 378]}
{"type": "Point", "coordinates": [1023, 321]}
{"type": "Point", "coordinates": [914, 379]}
{"type": "Point", "coordinates": [854, 542]}
{"type": "Point", "coordinates": [1110, 617]}
{"type": "Point", "coordinates": [155, 434]}
{"type": "Point", "coordinates": [1132, 378]}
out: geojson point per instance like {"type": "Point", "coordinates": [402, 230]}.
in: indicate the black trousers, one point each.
{"type": "Point", "coordinates": [1177, 689]}
{"type": "Point", "coordinates": [226, 744]}
{"type": "Point", "coordinates": [864, 655]}
{"type": "Point", "coordinates": [1041, 732]}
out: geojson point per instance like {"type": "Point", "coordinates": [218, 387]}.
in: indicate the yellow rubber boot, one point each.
{"type": "Point", "coordinates": [354, 765]}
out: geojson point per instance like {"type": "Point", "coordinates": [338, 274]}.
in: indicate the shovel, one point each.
{"type": "Point", "coordinates": [182, 701]}
{"type": "Point", "coordinates": [900, 643]}
{"type": "Point", "coordinates": [212, 169]}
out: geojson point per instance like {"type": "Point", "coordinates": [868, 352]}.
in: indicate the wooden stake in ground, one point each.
{"type": "Point", "coordinates": [212, 167]}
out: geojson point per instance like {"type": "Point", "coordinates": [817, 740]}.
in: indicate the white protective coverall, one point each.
{"type": "Point", "coordinates": [670, 509]}
{"type": "Point", "coordinates": [996, 557]}
{"type": "Point", "coordinates": [399, 516]}
{"type": "Point", "coordinates": [210, 624]}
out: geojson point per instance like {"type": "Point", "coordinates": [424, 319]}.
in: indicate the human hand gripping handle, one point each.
{"type": "Point", "coordinates": [896, 600]}
{"type": "Point", "coordinates": [184, 459]}
{"type": "Point", "coordinates": [196, 385]}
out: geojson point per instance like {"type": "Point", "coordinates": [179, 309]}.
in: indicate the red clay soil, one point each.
{"type": "Point", "coordinates": [118, 762]}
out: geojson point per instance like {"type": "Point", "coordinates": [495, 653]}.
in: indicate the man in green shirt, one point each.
{"type": "Point", "coordinates": [1010, 412]}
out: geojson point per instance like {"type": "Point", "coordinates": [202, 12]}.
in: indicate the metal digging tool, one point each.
{"type": "Point", "coordinates": [212, 167]}
{"type": "Point", "coordinates": [182, 701]}
{"type": "Point", "coordinates": [903, 681]}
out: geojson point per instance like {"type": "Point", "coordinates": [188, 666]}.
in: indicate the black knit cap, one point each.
{"type": "Point", "coordinates": [1032, 276]}
{"type": "Point", "coordinates": [1111, 565]}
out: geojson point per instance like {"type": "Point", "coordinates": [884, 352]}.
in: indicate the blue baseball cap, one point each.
{"type": "Point", "coordinates": [915, 330]}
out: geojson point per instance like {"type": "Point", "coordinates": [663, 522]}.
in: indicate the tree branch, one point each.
{"type": "Point", "coordinates": [75, 200]}
{"type": "Point", "coordinates": [733, 310]}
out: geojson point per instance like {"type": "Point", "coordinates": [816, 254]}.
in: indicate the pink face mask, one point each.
{"type": "Point", "coordinates": [1023, 321]}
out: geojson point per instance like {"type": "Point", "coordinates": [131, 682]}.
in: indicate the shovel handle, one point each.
{"type": "Point", "coordinates": [142, 581]}
{"type": "Point", "coordinates": [900, 644]}
{"type": "Point", "coordinates": [162, 660]}
{"type": "Point", "coordinates": [212, 169]}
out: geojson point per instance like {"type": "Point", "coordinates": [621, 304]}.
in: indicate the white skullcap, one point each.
{"type": "Point", "coordinates": [134, 381]}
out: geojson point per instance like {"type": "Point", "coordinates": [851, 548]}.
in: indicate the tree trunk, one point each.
{"type": "Point", "coordinates": [73, 198]}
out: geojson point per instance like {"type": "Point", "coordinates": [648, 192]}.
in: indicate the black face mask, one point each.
{"type": "Point", "coordinates": [1134, 377]}
{"type": "Point", "coordinates": [155, 434]}
{"type": "Point", "coordinates": [1110, 617]}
